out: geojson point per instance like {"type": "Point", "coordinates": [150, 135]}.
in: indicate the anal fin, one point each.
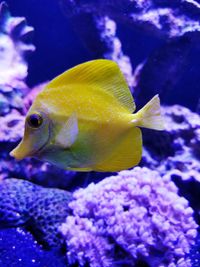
{"type": "Point", "coordinates": [126, 154]}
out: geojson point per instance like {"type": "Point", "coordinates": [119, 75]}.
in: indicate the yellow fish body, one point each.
{"type": "Point", "coordinates": [83, 120]}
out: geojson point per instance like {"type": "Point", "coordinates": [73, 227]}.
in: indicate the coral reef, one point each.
{"type": "Point", "coordinates": [137, 212]}
{"type": "Point", "coordinates": [139, 197]}
{"type": "Point", "coordinates": [162, 17]}
{"type": "Point", "coordinates": [40, 209]}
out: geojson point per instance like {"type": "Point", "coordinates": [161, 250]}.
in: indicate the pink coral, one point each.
{"type": "Point", "coordinates": [137, 211]}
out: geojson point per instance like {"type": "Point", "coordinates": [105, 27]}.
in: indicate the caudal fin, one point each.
{"type": "Point", "coordinates": [150, 115]}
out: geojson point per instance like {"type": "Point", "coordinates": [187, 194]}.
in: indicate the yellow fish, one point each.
{"type": "Point", "coordinates": [83, 120]}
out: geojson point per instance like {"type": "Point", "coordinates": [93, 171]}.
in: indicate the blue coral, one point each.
{"type": "Point", "coordinates": [42, 210]}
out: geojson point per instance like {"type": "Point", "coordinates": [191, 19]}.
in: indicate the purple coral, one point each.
{"type": "Point", "coordinates": [138, 211]}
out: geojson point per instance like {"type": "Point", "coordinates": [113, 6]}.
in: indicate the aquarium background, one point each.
{"type": "Point", "coordinates": [44, 220]}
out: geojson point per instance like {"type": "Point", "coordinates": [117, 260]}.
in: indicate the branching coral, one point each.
{"type": "Point", "coordinates": [137, 211]}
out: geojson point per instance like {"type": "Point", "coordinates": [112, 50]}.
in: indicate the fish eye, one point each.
{"type": "Point", "coordinates": [35, 120]}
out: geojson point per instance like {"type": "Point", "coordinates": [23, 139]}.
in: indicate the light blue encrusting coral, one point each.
{"type": "Point", "coordinates": [138, 212]}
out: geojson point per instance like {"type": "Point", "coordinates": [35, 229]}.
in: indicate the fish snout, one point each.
{"type": "Point", "coordinates": [21, 151]}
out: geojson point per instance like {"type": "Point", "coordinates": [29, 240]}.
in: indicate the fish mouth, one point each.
{"type": "Point", "coordinates": [22, 150]}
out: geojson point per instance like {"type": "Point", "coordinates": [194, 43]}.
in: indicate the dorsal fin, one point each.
{"type": "Point", "coordinates": [102, 73]}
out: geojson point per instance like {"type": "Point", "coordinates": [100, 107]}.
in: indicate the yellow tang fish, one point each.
{"type": "Point", "coordinates": [83, 121]}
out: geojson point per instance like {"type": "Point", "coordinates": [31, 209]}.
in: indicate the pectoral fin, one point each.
{"type": "Point", "coordinates": [68, 133]}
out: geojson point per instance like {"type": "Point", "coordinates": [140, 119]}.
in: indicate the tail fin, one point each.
{"type": "Point", "coordinates": [150, 116]}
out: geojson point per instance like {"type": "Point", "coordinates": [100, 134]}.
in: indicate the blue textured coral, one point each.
{"type": "Point", "coordinates": [41, 210]}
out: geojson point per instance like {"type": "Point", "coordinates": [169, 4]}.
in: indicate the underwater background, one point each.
{"type": "Point", "coordinates": [148, 216]}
